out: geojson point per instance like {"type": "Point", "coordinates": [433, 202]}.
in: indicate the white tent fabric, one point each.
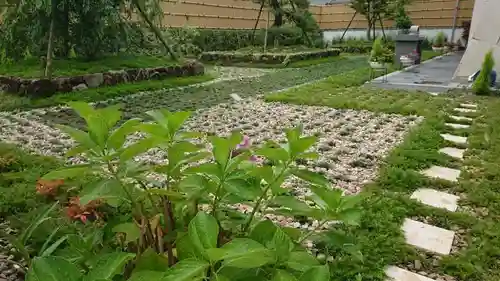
{"type": "Point", "coordinates": [484, 36]}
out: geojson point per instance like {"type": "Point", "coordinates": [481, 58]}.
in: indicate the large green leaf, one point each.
{"type": "Point", "coordinates": [151, 260]}
{"type": "Point", "coordinates": [301, 145]}
{"type": "Point", "coordinates": [296, 206]}
{"type": "Point", "coordinates": [108, 265]}
{"type": "Point", "coordinates": [184, 247]}
{"type": "Point", "coordinates": [317, 273]}
{"type": "Point", "coordinates": [176, 120]}
{"type": "Point", "coordinates": [274, 154]}
{"type": "Point", "coordinates": [330, 197]}
{"type": "Point", "coordinates": [138, 148]}
{"type": "Point", "coordinates": [203, 231]}
{"type": "Point", "coordinates": [146, 275]}
{"type": "Point", "coordinates": [52, 269]}
{"type": "Point", "coordinates": [244, 189]}
{"type": "Point", "coordinates": [242, 253]}
{"type": "Point", "coordinates": [263, 232]}
{"type": "Point", "coordinates": [187, 270]}
{"type": "Point", "coordinates": [131, 230]}
{"type": "Point", "coordinates": [281, 244]}
{"type": "Point", "coordinates": [41, 218]}
{"type": "Point", "coordinates": [311, 177]}
{"type": "Point", "coordinates": [67, 173]}
{"type": "Point", "coordinates": [282, 275]}
{"type": "Point", "coordinates": [221, 150]}
{"type": "Point", "coordinates": [301, 261]}
{"type": "Point", "coordinates": [118, 137]}
{"type": "Point", "coordinates": [79, 136]}
{"type": "Point", "coordinates": [108, 190]}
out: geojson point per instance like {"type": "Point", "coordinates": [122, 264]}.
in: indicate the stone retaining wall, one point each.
{"type": "Point", "coordinates": [46, 87]}
{"type": "Point", "coordinates": [227, 58]}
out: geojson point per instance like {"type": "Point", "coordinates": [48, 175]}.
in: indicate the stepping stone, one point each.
{"type": "Point", "coordinates": [459, 109]}
{"type": "Point", "coordinates": [457, 126]}
{"type": "Point", "coordinates": [428, 237]}
{"type": "Point", "coordinates": [468, 105]}
{"type": "Point", "coordinates": [235, 97]}
{"type": "Point", "coordinates": [454, 139]}
{"type": "Point", "coordinates": [398, 274]}
{"type": "Point", "coordinates": [453, 152]}
{"type": "Point", "coordinates": [442, 173]}
{"type": "Point", "coordinates": [436, 198]}
{"type": "Point", "coordinates": [461, 118]}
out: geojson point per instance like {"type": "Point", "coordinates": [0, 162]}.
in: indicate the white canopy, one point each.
{"type": "Point", "coordinates": [484, 35]}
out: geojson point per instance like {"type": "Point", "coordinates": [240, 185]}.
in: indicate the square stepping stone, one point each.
{"type": "Point", "coordinates": [398, 274]}
{"type": "Point", "coordinates": [461, 118]}
{"type": "Point", "coordinates": [454, 139]}
{"type": "Point", "coordinates": [236, 97]}
{"type": "Point", "coordinates": [428, 237]}
{"type": "Point", "coordinates": [468, 105]}
{"type": "Point", "coordinates": [442, 173]}
{"type": "Point", "coordinates": [453, 152]}
{"type": "Point", "coordinates": [436, 198]}
{"type": "Point", "coordinates": [459, 109]}
{"type": "Point", "coordinates": [457, 126]}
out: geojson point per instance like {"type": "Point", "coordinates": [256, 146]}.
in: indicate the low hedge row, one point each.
{"type": "Point", "coordinates": [228, 58]}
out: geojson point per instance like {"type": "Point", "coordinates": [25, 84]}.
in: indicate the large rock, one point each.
{"type": "Point", "coordinates": [94, 80]}
{"type": "Point", "coordinates": [10, 84]}
{"type": "Point", "coordinates": [80, 87]}
{"type": "Point", "coordinates": [63, 84]}
{"type": "Point", "coordinates": [41, 88]}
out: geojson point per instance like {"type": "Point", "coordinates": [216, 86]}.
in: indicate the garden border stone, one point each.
{"type": "Point", "coordinates": [228, 58]}
{"type": "Point", "coordinates": [39, 87]}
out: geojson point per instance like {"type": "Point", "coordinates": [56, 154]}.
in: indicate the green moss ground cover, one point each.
{"type": "Point", "coordinates": [379, 237]}
{"type": "Point", "coordinates": [32, 68]}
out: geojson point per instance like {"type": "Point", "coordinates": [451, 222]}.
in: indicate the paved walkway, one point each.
{"type": "Point", "coordinates": [432, 76]}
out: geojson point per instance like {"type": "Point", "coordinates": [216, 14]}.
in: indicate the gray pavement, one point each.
{"type": "Point", "coordinates": [434, 76]}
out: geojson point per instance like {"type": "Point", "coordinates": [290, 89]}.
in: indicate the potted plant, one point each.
{"type": "Point", "coordinates": [403, 21]}
{"type": "Point", "coordinates": [377, 54]}
{"type": "Point", "coordinates": [439, 41]}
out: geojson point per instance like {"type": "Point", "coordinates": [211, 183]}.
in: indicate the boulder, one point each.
{"type": "Point", "coordinates": [41, 88]}
{"type": "Point", "coordinates": [80, 87]}
{"type": "Point", "coordinates": [10, 84]}
{"type": "Point", "coordinates": [94, 80]}
{"type": "Point", "coordinates": [63, 84]}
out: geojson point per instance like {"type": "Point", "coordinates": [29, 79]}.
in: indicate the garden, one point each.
{"type": "Point", "coordinates": [123, 157]}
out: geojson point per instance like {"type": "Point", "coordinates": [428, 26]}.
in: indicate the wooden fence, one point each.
{"type": "Point", "coordinates": [242, 14]}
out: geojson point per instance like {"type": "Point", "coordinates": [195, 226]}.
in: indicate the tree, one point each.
{"type": "Point", "coordinates": [375, 10]}
{"type": "Point", "coordinates": [48, 27]}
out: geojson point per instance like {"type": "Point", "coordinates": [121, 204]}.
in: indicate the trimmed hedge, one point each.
{"type": "Point", "coordinates": [228, 58]}
{"type": "Point", "coordinates": [228, 40]}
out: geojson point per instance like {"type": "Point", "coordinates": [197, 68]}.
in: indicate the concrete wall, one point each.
{"type": "Point", "coordinates": [361, 33]}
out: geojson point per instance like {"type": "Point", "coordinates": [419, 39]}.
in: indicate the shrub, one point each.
{"type": "Point", "coordinates": [402, 19]}
{"type": "Point", "coordinates": [439, 40]}
{"type": "Point", "coordinates": [189, 214]}
{"type": "Point", "coordinates": [483, 82]}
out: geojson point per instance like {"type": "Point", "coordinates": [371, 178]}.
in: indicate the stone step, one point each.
{"type": "Point", "coordinates": [453, 152]}
{"type": "Point", "coordinates": [443, 173]}
{"type": "Point", "coordinates": [461, 118]}
{"type": "Point", "coordinates": [427, 237]}
{"type": "Point", "coordinates": [468, 105]}
{"type": "Point", "coordinates": [457, 126]}
{"type": "Point", "coordinates": [398, 274]}
{"type": "Point", "coordinates": [454, 138]}
{"type": "Point", "coordinates": [459, 109]}
{"type": "Point", "coordinates": [436, 198]}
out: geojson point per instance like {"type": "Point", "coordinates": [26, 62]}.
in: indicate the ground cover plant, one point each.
{"type": "Point", "coordinates": [161, 221]}
{"type": "Point", "coordinates": [32, 68]}
{"type": "Point", "coordinates": [379, 237]}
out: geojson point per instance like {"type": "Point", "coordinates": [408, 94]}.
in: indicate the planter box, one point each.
{"type": "Point", "coordinates": [33, 87]}
{"type": "Point", "coordinates": [228, 58]}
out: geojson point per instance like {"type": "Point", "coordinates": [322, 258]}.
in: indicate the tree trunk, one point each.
{"type": "Point", "coordinates": [155, 30]}
{"type": "Point", "coordinates": [369, 29]}
{"type": "Point", "coordinates": [267, 29]}
{"type": "Point", "coordinates": [304, 33]}
{"type": "Point", "coordinates": [257, 21]}
{"type": "Point", "coordinates": [67, 38]}
{"type": "Point", "coordinates": [50, 47]}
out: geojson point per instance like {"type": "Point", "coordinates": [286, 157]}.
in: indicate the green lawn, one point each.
{"type": "Point", "coordinates": [30, 68]}
{"type": "Point", "coordinates": [379, 237]}
{"type": "Point", "coordinates": [11, 102]}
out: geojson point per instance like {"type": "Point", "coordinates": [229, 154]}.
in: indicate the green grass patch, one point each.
{"type": "Point", "coordinates": [379, 239]}
{"type": "Point", "coordinates": [32, 67]}
{"type": "Point", "coordinates": [11, 102]}
{"type": "Point", "coordinates": [429, 54]}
